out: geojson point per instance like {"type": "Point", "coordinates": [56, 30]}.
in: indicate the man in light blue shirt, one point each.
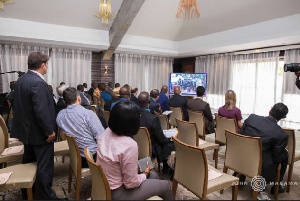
{"type": "Point", "coordinates": [81, 123]}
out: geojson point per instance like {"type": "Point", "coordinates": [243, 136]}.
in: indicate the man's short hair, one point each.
{"type": "Point", "coordinates": [200, 90]}
{"type": "Point", "coordinates": [154, 93]}
{"type": "Point", "coordinates": [279, 111]}
{"type": "Point", "coordinates": [70, 95]}
{"type": "Point", "coordinates": [36, 59]}
{"type": "Point", "coordinates": [133, 90]}
{"type": "Point", "coordinates": [117, 85]}
{"type": "Point", "coordinates": [124, 118]}
{"type": "Point", "coordinates": [80, 87]}
{"type": "Point", "coordinates": [60, 89]}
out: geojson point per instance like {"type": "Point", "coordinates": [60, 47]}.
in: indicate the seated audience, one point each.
{"type": "Point", "coordinates": [163, 99]}
{"type": "Point", "coordinates": [51, 91]}
{"type": "Point", "coordinates": [133, 97]}
{"type": "Point", "coordinates": [274, 141]}
{"type": "Point", "coordinates": [91, 90]}
{"type": "Point", "coordinates": [106, 96]}
{"type": "Point", "coordinates": [84, 100]}
{"type": "Point", "coordinates": [85, 90]}
{"type": "Point", "coordinates": [116, 89]}
{"type": "Point", "coordinates": [161, 146]}
{"type": "Point", "coordinates": [229, 109]}
{"type": "Point", "coordinates": [10, 96]}
{"type": "Point", "coordinates": [62, 83]}
{"type": "Point", "coordinates": [60, 102]}
{"type": "Point", "coordinates": [154, 106]}
{"type": "Point", "coordinates": [117, 154]}
{"type": "Point", "coordinates": [179, 101]}
{"type": "Point", "coordinates": [124, 95]}
{"type": "Point", "coordinates": [198, 104]}
{"type": "Point", "coordinates": [81, 123]}
{"type": "Point", "coordinates": [110, 89]}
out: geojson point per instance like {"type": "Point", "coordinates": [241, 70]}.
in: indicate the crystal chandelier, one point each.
{"type": "Point", "coordinates": [104, 11]}
{"type": "Point", "coordinates": [188, 9]}
{"type": "Point", "coordinates": [4, 1]}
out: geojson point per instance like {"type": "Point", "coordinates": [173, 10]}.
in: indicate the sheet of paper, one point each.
{"type": "Point", "coordinates": [12, 150]}
{"type": "Point", "coordinates": [212, 174]}
{"type": "Point", "coordinates": [13, 139]}
{"type": "Point", "coordinates": [167, 112]}
{"type": "Point", "coordinates": [202, 141]}
{"type": "Point", "coordinates": [4, 177]}
{"type": "Point", "coordinates": [169, 133]}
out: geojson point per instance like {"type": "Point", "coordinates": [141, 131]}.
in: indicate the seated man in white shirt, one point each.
{"type": "Point", "coordinates": [81, 123]}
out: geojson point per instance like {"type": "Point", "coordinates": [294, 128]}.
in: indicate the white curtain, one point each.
{"type": "Point", "coordinates": [14, 58]}
{"type": "Point", "coordinates": [70, 66]}
{"type": "Point", "coordinates": [145, 72]}
{"type": "Point", "coordinates": [291, 94]}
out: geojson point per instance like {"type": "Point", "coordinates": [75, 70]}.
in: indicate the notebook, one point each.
{"type": "Point", "coordinates": [4, 177]}
{"type": "Point", "coordinates": [167, 112]}
{"type": "Point", "coordinates": [212, 174]}
{"type": "Point", "coordinates": [143, 163]}
{"type": "Point", "coordinates": [12, 150]}
{"type": "Point", "coordinates": [169, 133]}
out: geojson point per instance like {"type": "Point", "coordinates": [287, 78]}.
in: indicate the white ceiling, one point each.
{"type": "Point", "coordinates": [224, 25]}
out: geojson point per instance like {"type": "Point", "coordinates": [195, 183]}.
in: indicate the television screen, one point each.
{"type": "Point", "coordinates": [188, 82]}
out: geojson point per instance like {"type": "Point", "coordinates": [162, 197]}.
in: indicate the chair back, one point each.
{"type": "Point", "coordinates": [191, 169]}
{"type": "Point", "coordinates": [187, 132]}
{"type": "Point", "coordinates": [164, 122]}
{"type": "Point", "coordinates": [3, 135]}
{"type": "Point", "coordinates": [291, 146]}
{"type": "Point", "coordinates": [243, 154]}
{"type": "Point", "coordinates": [100, 185]}
{"type": "Point", "coordinates": [223, 123]}
{"type": "Point", "coordinates": [105, 115]}
{"type": "Point", "coordinates": [176, 113]}
{"type": "Point", "coordinates": [143, 141]}
{"type": "Point", "coordinates": [199, 119]}
{"type": "Point", "coordinates": [75, 157]}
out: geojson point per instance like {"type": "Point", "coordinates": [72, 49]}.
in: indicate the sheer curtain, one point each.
{"type": "Point", "coordinates": [70, 66]}
{"type": "Point", "coordinates": [218, 69]}
{"type": "Point", "coordinates": [145, 72]}
{"type": "Point", "coordinates": [14, 58]}
{"type": "Point", "coordinates": [291, 94]}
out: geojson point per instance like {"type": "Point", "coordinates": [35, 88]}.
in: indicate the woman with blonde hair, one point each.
{"type": "Point", "coordinates": [229, 109]}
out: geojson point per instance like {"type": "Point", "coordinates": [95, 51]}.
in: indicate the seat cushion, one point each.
{"type": "Point", "coordinates": [61, 148]}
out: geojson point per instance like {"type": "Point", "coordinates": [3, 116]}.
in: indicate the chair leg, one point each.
{"type": "Point", "coordinates": [216, 157]}
{"type": "Point", "coordinates": [225, 169]}
{"type": "Point", "coordinates": [254, 195]}
{"type": "Point", "coordinates": [70, 179]}
{"type": "Point", "coordinates": [276, 187]}
{"type": "Point", "coordinates": [158, 166]}
{"type": "Point", "coordinates": [78, 183]}
{"type": "Point", "coordinates": [234, 192]}
{"type": "Point", "coordinates": [174, 187]}
{"type": "Point", "coordinates": [29, 194]}
{"type": "Point", "coordinates": [63, 159]}
{"type": "Point", "coordinates": [290, 173]}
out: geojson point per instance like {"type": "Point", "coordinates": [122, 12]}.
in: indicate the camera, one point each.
{"type": "Point", "coordinates": [293, 67]}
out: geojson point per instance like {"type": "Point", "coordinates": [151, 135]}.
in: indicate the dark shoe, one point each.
{"type": "Point", "coordinates": [281, 189]}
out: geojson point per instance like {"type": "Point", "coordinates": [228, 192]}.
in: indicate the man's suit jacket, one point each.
{"type": "Point", "coordinates": [199, 105]}
{"type": "Point", "coordinates": [163, 100]}
{"type": "Point", "coordinates": [180, 101]}
{"type": "Point", "coordinates": [134, 99]}
{"type": "Point", "coordinates": [273, 138]}
{"type": "Point", "coordinates": [84, 100]}
{"type": "Point", "coordinates": [34, 110]}
{"type": "Point", "coordinates": [161, 146]}
{"type": "Point", "coordinates": [154, 106]}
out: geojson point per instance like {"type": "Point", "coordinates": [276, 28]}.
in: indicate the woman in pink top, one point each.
{"type": "Point", "coordinates": [229, 109]}
{"type": "Point", "coordinates": [117, 153]}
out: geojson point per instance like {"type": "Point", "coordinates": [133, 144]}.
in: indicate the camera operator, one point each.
{"type": "Point", "coordinates": [297, 80]}
{"type": "Point", "coordinates": [294, 67]}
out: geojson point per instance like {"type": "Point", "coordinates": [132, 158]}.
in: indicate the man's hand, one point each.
{"type": "Point", "coordinates": [51, 137]}
{"type": "Point", "coordinates": [147, 170]}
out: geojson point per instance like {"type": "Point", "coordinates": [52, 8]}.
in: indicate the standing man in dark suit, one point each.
{"type": "Point", "coordinates": [34, 122]}
{"type": "Point", "coordinates": [274, 140]}
{"type": "Point", "coordinates": [199, 104]}
{"type": "Point", "coordinates": [154, 106]}
{"type": "Point", "coordinates": [179, 101]}
{"type": "Point", "coordinates": [163, 99]}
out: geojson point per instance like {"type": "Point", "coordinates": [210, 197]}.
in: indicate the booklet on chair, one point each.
{"type": "Point", "coordinates": [143, 163]}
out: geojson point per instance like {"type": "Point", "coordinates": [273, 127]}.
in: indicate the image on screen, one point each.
{"type": "Point", "coordinates": [188, 82]}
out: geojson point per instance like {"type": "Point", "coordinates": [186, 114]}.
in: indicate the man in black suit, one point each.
{"type": "Point", "coordinates": [161, 146]}
{"type": "Point", "coordinates": [179, 101]}
{"type": "Point", "coordinates": [154, 106]}
{"type": "Point", "coordinates": [34, 122]}
{"type": "Point", "coordinates": [274, 140]}
{"type": "Point", "coordinates": [199, 104]}
{"type": "Point", "coordinates": [133, 97]}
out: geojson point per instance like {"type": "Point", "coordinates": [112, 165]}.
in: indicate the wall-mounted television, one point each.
{"type": "Point", "coordinates": [188, 82]}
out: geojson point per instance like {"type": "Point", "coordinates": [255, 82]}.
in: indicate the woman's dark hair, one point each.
{"type": "Point", "coordinates": [124, 118]}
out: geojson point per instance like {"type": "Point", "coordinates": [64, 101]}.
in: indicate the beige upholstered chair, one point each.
{"type": "Point", "coordinates": [75, 165]}
{"type": "Point", "coordinates": [61, 147]}
{"type": "Point", "coordinates": [223, 123]}
{"type": "Point", "coordinates": [143, 140]}
{"type": "Point", "coordinates": [187, 133]}
{"type": "Point", "coordinates": [243, 155]}
{"type": "Point", "coordinates": [293, 155]}
{"type": "Point", "coordinates": [199, 119]}
{"type": "Point", "coordinates": [192, 170]}
{"type": "Point", "coordinates": [100, 185]}
{"type": "Point", "coordinates": [176, 113]}
{"type": "Point", "coordinates": [164, 122]}
{"type": "Point", "coordinates": [23, 176]}
{"type": "Point", "coordinates": [106, 115]}
{"type": "Point", "coordinates": [10, 143]}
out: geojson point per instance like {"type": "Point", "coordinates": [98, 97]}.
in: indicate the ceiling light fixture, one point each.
{"type": "Point", "coordinates": [4, 1]}
{"type": "Point", "coordinates": [104, 11]}
{"type": "Point", "coordinates": [188, 9]}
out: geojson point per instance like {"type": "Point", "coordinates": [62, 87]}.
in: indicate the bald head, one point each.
{"type": "Point", "coordinates": [144, 99]}
{"type": "Point", "coordinates": [164, 89]}
{"type": "Point", "coordinates": [177, 90]}
{"type": "Point", "coordinates": [125, 92]}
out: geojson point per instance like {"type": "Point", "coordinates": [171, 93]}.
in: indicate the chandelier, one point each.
{"type": "Point", "coordinates": [188, 9]}
{"type": "Point", "coordinates": [104, 11]}
{"type": "Point", "coordinates": [4, 1]}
